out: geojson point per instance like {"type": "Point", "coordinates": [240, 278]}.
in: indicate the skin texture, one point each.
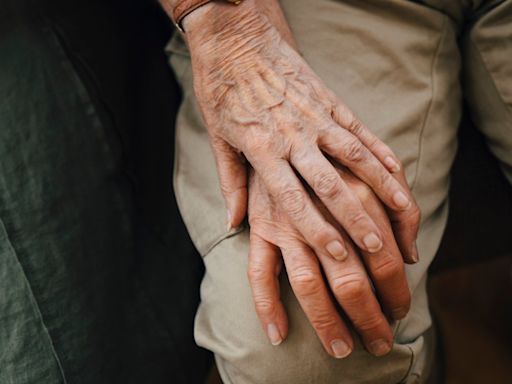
{"type": "Point", "coordinates": [261, 102]}
{"type": "Point", "coordinates": [259, 97]}
{"type": "Point", "coordinates": [348, 280]}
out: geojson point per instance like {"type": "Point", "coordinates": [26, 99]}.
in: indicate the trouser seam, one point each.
{"type": "Point", "coordinates": [493, 81]}
{"type": "Point", "coordinates": [411, 363]}
{"type": "Point", "coordinates": [433, 65]}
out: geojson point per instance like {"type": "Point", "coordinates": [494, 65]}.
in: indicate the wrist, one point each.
{"type": "Point", "coordinates": [218, 19]}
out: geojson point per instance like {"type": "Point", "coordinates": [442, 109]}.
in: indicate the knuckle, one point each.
{"type": "Point", "coordinates": [228, 189]}
{"type": "Point", "coordinates": [257, 144]}
{"type": "Point", "coordinates": [320, 235]}
{"type": "Point", "coordinates": [369, 323]}
{"type": "Point", "coordinates": [415, 215]}
{"type": "Point", "coordinates": [254, 219]}
{"type": "Point", "coordinates": [387, 270]}
{"type": "Point", "coordinates": [412, 216]}
{"type": "Point", "coordinates": [355, 126]}
{"type": "Point", "coordinates": [293, 202]}
{"type": "Point", "coordinates": [253, 148]}
{"type": "Point", "coordinates": [225, 187]}
{"type": "Point", "coordinates": [402, 302]}
{"type": "Point", "coordinates": [357, 218]}
{"type": "Point", "coordinates": [385, 180]}
{"type": "Point", "coordinates": [323, 323]}
{"type": "Point", "coordinates": [372, 141]}
{"type": "Point", "coordinates": [353, 150]}
{"type": "Point", "coordinates": [349, 288]}
{"type": "Point", "coordinates": [257, 274]}
{"type": "Point", "coordinates": [363, 191]}
{"type": "Point", "coordinates": [327, 185]}
{"type": "Point", "coordinates": [218, 143]}
{"type": "Point", "coordinates": [305, 282]}
{"type": "Point", "coordinates": [265, 306]}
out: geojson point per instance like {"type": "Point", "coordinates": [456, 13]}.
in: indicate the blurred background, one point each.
{"type": "Point", "coordinates": [471, 278]}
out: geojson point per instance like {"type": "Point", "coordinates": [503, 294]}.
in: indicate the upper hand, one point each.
{"type": "Point", "coordinates": [259, 98]}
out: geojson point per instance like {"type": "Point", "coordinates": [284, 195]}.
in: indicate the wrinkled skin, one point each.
{"type": "Point", "coordinates": [260, 98]}
{"type": "Point", "coordinates": [271, 230]}
{"type": "Point", "coordinates": [262, 102]}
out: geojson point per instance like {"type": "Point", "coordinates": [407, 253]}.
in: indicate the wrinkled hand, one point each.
{"type": "Point", "coordinates": [349, 281]}
{"type": "Point", "coordinates": [259, 98]}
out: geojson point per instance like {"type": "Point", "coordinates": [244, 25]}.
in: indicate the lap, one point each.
{"type": "Point", "coordinates": [397, 68]}
{"type": "Point", "coordinates": [227, 324]}
{"type": "Point", "coordinates": [487, 78]}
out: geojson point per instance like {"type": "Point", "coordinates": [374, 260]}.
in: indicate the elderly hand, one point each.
{"type": "Point", "coordinates": [349, 280]}
{"type": "Point", "coordinates": [259, 98]}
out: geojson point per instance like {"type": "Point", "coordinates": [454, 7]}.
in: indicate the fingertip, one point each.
{"type": "Point", "coordinates": [337, 250]}
{"type": "Point", "coordinates": [284, 327]}
{"type": "Point", "coordinates": [340, 349]}
{"type": "Point", "coordinates": [401, 201]}
{"type": "Point", "coordinates": [410, 254]}
{"type": "Point", "coordinates": [232, 173]}
{"type": "Point", "coordinates": [373, 242]}
{"type": "Point", "coordinates": [414, 253]}
{"type": "Point", "coordinates": [236, 207]}
{"type": "Point", "coordinates": [281, 320]}
{"type": "Point", "coordinates": [380, 347]}
{"type": "Point", "coordinates": [392, 165]}
{"type": "Point", "coordinates": [272, 314]}
{"type": "Point", "coordinates": [399, 313]}
{"type": "Point", "coordinates": [229, 221]}
{"type": "Point", "coordinates": [274, 335]}
{"type": "Point", "coordinates": [277, 329]}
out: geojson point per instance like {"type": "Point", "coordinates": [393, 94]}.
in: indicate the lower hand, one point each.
{"type": "Point", "coordinates": [348, 280]}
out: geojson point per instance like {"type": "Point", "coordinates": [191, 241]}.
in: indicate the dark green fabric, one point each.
{"type": "Point", "coordinates": [98, 278]}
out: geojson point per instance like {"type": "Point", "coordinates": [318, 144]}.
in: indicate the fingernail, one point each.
{"type": "Point", "coordinates": [340, 349]}
{"type": "Point", "coordinates": [392, 165]}
{"type": "Point", "coordinates": [372, 242]}
{"type": "Point", "coordinates": [399, 313]}
{"type": "Point", "coordinates": [229, 225]}
{"type": "Point", "coordinates": [401, 200]}
{"type": "Point", "coordinates": [414, 252]}
{"type": "Point", "coordinates": [379, 347]}
{"type": "Point", "coordinates": [274, 335]}
{"type": "Point", "coordinates": [337, 250]}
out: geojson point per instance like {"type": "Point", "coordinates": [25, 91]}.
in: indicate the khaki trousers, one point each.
{"type": "Point", "coordinates": [397, 64]}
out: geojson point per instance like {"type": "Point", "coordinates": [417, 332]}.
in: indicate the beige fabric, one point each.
{"type": "Point", "coordinates": [488, 80]}
{"type": "Point", "coordinates": [397, 65]}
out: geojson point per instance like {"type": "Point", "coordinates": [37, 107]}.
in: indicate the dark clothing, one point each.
{"type": "Point", "coordinates": [99, 282]}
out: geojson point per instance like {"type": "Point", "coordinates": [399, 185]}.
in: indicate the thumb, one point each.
{"type": "Point", "coordinates": [232, 172]}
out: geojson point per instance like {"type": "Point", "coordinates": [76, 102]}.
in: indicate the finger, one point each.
{"type": "Point", "coordinates": [342, 115]}
{"type": "Point", "coordinates": [309, 287]}
{"type": "Point", "coordinates": [343, 204]}
{"type": "Point", "coordinates": [351, 287]}
{"type": "Point", "coordinates": [365, 157]}
{"type": "Point", "coordinates": [386, 267]}
{"type": "Point", "coordinates": [263, 273]}
{"type": "Point", "coordinates": [406, 225]}
{"type": "Point", "coordinates": [233, 181]}
{"type": "Point", "coordinates": [289, 193]}
{"type": "Point", "coordinates": [348, 150]}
